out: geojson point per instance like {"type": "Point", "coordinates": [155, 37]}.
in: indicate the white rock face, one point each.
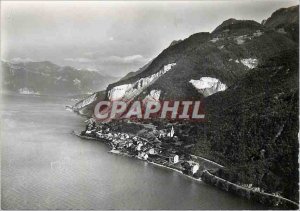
{"type": "Point", "coordinates": [153, 96]}
{"type": "Point", "coordinates": [208, 86]}
{"type": "Point", "coordinates": [85, 102]}
{"type": "Point", "coordinates": [250, 63]}
{"type": "Point", "coordinates": [128, 91]}
{"type": "Point", "coordinates": [118, 92]}
{"type": "Point", "coordinates": [26, 91]}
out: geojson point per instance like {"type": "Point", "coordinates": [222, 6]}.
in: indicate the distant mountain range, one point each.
{"type": "Point", "coordinates": [48, 78]}
{"type": "Point", "coordinates": [246, 73]}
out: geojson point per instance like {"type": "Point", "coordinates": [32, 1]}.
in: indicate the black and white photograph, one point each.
{"type": "Point", "coordinates": [149, 105]}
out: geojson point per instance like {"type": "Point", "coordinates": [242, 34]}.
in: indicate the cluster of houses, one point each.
{"type": "Point", "coordinates": [258, 189]}
{"type": "Point", "coordinates": [142, 147]}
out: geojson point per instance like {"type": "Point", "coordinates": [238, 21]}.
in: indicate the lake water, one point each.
{"type": "Point", "coordinates": [44, 166]}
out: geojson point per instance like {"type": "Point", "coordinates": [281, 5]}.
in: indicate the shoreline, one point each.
{"type": "Point", "coordinates": [162, 166]}
{"type": "Point", "coordinates": [156, 164]}
{"type": "Point", "coordinates": [205, 172]}
{"type": "Point", "coordinates": [117, 152]}
{"type": "Point", "coordinates": [248, 193]}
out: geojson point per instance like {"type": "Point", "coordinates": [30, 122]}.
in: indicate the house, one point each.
{"type": "Point", "coordinates": [152, 151]}
{"type": "Point", "coordinates": [128, 144]}
{"type": "Point", "coordinates": [173, 158]}
{"type": "Point", "coordinates": [143, 155]}
{"type": "Point", "coordinates": [121, 145]}
{"type": "Point", "coordinates": [132, 149]}
{"type": "Point", "coordinates": [171, 132]}
{"type": "Point", "coordinates": [115, 141]}
{"type": "Point", "coordinates": [262, 153]}
{"type": "Point", "coordinates": [162, 133]}
{"type": "Point", "coordinates": [193, 167]}
{"type": "Point", "coordinates": [145, 148]}
{"type": "Point", "coordinates": [88, 132]}
{"type": "Point", "coordinates": [139, 146]}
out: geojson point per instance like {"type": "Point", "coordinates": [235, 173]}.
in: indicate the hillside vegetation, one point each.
{"type": "Point", "coordinates": [252, 127]}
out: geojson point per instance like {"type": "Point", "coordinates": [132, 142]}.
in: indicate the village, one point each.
{"type": "Point", "coordinates": [160, 147]}
{"type": "Point", "coordinates": [164, 148]}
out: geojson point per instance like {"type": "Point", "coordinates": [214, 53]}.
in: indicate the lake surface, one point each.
{"type": "Point", "coordinates": [44, 166]}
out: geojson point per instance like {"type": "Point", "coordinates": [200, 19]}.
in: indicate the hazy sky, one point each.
{"type": "Point", "coordinates": [112, 37]}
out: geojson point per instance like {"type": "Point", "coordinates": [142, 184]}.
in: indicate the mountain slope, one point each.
{"type": "Point", "coordinates": [225, 55]}
{"type": "Point", "coordinates": [286, 21]}
{"type": "Point", "coordinates": [252, 127]}
{"type": "Point", "coordinates": [131, 74]}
